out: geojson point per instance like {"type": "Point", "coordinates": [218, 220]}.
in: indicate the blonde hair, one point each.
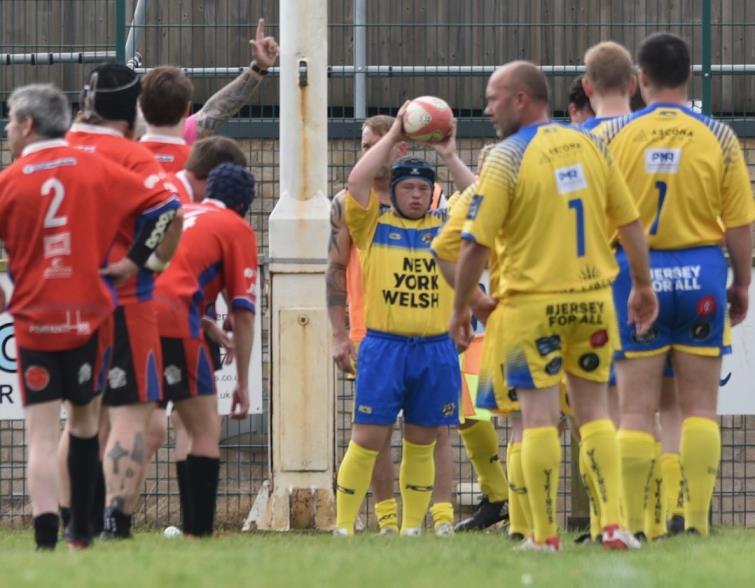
{"type": "Point", "coordinates": [379, 124]}
{"type": "Point", "coordinates": [609, 67]}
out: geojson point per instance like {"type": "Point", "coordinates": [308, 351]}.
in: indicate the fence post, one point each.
{"type": "Point", "coordinates": [120, 31]}
{"type": "Point", "coordinates": [360, 59]}
{"type": "Point", "coordinates": [135, 30]}
{"type": "Point", "coordinates": [300, 492]}
{"type": "Point", "coordinates": [707, 49]}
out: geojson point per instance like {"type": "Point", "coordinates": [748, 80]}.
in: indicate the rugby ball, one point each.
{"type": "Point", "coordinates": [427, 119]}
{"type": "Point", "coordinates": [172, 532]}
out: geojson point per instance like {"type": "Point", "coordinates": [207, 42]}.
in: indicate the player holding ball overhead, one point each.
{"type": "Point", "coordinates": [407, 360]}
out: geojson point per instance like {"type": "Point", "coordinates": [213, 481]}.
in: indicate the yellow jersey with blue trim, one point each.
{"type": "Point", "coordinates": [686, 173]}
{"type": "Point", "coordinates": [596, 124]}
{"type": "Point", "coordinates": [550, 197]}
{"type": "Point", "coordinates": [447, 244]}
{"type": "Point", "coordinates": [403, 290]}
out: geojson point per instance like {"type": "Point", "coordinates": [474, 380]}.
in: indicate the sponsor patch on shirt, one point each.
{"type": "Point", "coordinates": [664, 161]}
{"type": "Point", "coordinates": [474, 207]}
{"type": "Point", "coordinates": [570, 179]}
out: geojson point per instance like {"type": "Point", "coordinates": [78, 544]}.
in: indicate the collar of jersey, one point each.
{"type": "Point", "coordinates": [214, 202]}
{"type": "Point", "coordinates": [657, 105]}
{"type": "Point", "coordinates": [156, 138]}
{"type": "Point", "coordinates": [593, 122]}
{"type": "Point", "coordinates": [95, 130]}
{"type": "Point", "coordinates": [46, 144]}
{"type": "Point", "coordinates": [536, 125]}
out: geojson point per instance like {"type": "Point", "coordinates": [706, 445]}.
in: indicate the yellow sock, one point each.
{"type": "Point", "coordinates": [603, 464]}
{"type": "Point", "coordinates": [481, 442]}
{"type": "Point", "coordinates": [636, 449]}
{"type": "Point", "coordinates": [520, 520]}
{"type": "Point", "coordinates": [386, 513]}
{"type": "Point", "coordinates": [442, 513]}
{"type": "Point", "coordinates": [587, 481]}
{"type": "Point", "coordinates": [655, 519]}
{"type": "Point", "coordinates": [700, 454]}
{"type": "Point", "coordinates": [416, 477]}
{"type": "Point", "coordinates": [354, 477]}
{"type": "Point", "coordinates": [541, 459]}
{"type": "Point", "coordinates": [672, 484]}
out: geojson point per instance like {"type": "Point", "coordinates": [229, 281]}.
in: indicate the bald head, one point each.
{"type": "Point", "coordinates": [517, 96]}
{"type": "Point", "coordinates": [524, 76]}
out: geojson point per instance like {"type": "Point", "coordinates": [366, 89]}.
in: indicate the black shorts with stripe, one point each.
{"type": "Point", "coordinates": [188, 369]}
{"type": "Point", "coordinates": [134, 375]}
{"type": "Point", "coordinates": [77, 375]}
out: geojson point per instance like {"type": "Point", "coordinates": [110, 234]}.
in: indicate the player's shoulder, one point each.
{"type": "Point", "coordinates": [586, 135]}
{"type": "Point", "coordinates": [515, 144]}
{"type": "Point", "coordinates": [137, 150]}
{"type": "Point", "coordinates": [228, 222]}
{"type": "Point", "coordinates": [460, 201]}
{"type": "Point", "coordinates": [722, 132]}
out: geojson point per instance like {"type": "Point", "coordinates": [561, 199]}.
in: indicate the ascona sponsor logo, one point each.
{"type": "Point", "coordinates": [662, 160]}
{"type": "Point", "coordinates": [570, 179]}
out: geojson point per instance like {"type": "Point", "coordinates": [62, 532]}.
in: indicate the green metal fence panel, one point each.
{"type": "Point", "coordinates": [379, 54]}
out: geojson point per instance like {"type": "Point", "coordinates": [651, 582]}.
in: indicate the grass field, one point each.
{"type": "Point", "coordinates": [296, 560]}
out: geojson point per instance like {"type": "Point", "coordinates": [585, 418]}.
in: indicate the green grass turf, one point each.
{"type": "Point", "coordinates": [296, 560]}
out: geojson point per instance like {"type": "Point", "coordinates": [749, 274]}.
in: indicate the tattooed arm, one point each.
{"type": "Point", "coordinates": [225, 103]}
{"type": "Point", "coordinates": [339, 250]}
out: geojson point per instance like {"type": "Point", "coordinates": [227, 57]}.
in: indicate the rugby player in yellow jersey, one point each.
{"type": "Point", "coordinates": [610, 82]}
{"type": "Point", "coordinates": [344, 285]}
{"type": "Point", "coordinates": [688, 177]}
{"type": "Point", "coordinates": [544, 196]}
{"type": "Point", "coordinates": [407, 360]}
{"type": "Point", "coordinates": [492, 392]}
{"type": "Point", "coordinates": [476, 431]}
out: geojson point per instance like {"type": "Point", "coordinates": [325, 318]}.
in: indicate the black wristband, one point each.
{"type": "Point", "coordinates": [257, 69]}
{"type": "Point", "coordinates": [150, 236]}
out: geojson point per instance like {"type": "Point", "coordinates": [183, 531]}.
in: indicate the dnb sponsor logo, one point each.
{"type": "Point", "coordinates": [662, 160]}
{"type": "Point", "coordinates": [570, 179]}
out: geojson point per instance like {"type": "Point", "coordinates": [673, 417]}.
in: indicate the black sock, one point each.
{"type": "Point", "coordinates": [182, 475]}
{"type": "Point", "coordinates": [98, 503]}
{"type": "Point", "coordinates": [46, 530]}
{"type": "Point", "coordinates": [65, 516]}
{"type": "Point", "coordinates": [83, 461]}
{"type": "Point", "coordinates": [117, 524]}
{"type": "Point", "coordinates": [202, 475]}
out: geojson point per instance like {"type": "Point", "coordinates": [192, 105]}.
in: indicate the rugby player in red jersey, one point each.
{"type": "Point", "coordinates": [165, 102]}
{"type": "Point", "coordinates": [103, 127]}
{"type": "Point", "coordinates": [60, 210]}
{"type": "Point", "coordinates": [205, 155]}
{"type": "Point", "coordinates": [218, 252]}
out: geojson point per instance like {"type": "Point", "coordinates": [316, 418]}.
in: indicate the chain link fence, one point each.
{"type": "Point", "coordinates": [379, 54]}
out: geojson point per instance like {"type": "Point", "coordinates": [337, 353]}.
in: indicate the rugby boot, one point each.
{"type": "Point", "coordinates": [485, 515]}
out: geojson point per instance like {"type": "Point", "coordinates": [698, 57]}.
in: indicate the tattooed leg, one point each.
{"type": "Point", "coordinates": [125, 455]}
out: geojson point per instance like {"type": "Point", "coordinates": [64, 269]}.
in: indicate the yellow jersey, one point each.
{"type": "Point", "coordinates": [403, 290]}
{"type": "Point", "coordinates": [550, 196]}
{"type": "Point", "coordinates": [447, 245]}
{"type": "Point", "coordinates": [686, 173]}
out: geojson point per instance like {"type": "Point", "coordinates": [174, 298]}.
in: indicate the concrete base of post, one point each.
{"type": "Point", "coordinates": [292, 508]}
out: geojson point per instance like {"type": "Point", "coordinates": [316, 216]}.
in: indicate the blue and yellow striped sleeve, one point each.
{"type": "Point", "coordinates": [490, 204]}
{"type": "Point", "coordinates": [447, 244]}
{"type": "Point", "coordinates": [737, 207]}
